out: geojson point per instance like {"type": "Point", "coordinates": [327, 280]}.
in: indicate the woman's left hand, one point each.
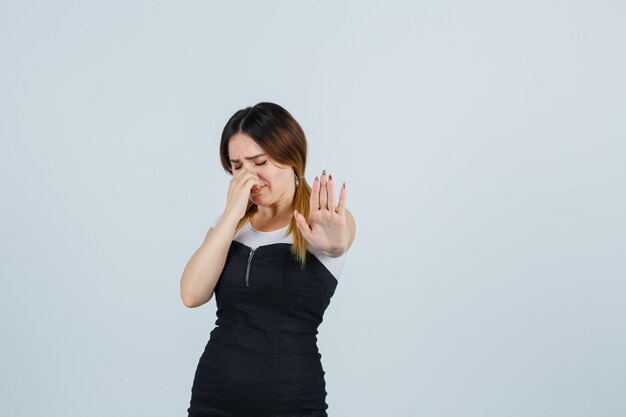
{"type": "Point", "coordinates": [327, 228]}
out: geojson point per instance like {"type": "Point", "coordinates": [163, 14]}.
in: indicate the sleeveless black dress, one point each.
{"type": "Point", "coordinates": [262, 358]}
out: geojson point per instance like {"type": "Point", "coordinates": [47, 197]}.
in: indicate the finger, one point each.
{"type": "Point", "coordinates": [243, 178]}
{"type": "Point", "coordinates": [341, 209]}
{"type": "Point", "coordinates": [323, 191]}
{"type": "Point", "coordinates": [330, 185]}
{"type": "Point", "coordinates": [302, 224]}
{"type": "Point", "coordinates": [240, 176]}
{"type": "Point", "coordinates": [314, 202]}
{"type": "Point", "coordinates": [250, 180]}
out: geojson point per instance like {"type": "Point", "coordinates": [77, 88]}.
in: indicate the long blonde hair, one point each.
{"type": "Point", "coordinates": [278, 133]}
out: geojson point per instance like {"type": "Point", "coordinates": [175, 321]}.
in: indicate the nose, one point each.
{"type": "Point", "coordinates": [252, 167]}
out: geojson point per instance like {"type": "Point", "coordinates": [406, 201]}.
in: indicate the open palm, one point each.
{"type": "Point", "coordinates": [327, 228]}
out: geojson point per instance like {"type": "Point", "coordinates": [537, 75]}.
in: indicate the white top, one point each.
{"type": "Point", "coordinates": [249, 236]}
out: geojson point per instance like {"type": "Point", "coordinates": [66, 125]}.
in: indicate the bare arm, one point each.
{"type": "Point", "coordinates": [205, 266]}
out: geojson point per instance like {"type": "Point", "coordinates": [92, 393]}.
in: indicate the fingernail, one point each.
{"type": "Point", "coordinates": [316, 179]}
{"type": "Point", "coordinates": [324, 172]}
{"type": "Point", "coordinates": [330, 176]}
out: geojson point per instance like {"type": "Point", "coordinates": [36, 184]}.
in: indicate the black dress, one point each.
{"type": "Point", "coordinates": [262, 359]}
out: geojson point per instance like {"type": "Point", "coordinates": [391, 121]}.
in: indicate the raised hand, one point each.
{"type": "Point", "coordinates": [239, 192]}
{"type": "Point", "coordinates": [327, 228]}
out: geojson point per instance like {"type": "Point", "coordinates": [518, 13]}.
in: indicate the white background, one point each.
{"type": "Point", "coordinates": [483, 147]}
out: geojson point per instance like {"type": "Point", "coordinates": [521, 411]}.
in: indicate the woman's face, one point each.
{"type": "Point", "coordinates": [277, 181]}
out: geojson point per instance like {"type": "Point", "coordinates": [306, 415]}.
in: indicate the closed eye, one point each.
{"type": "Point", "coordinates": [262, 163]}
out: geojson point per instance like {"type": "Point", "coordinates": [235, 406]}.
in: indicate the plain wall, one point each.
{"type": "Point", "coordinates": [483, 148]}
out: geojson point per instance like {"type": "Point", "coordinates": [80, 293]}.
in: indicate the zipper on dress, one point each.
{"type": "Point", "coordinates": [248, 267]}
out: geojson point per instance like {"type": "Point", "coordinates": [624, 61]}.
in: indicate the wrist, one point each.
{"type": "Point", "coordinates": [228, 222]}
{"type": "Point", "coordinates": [335, 252]}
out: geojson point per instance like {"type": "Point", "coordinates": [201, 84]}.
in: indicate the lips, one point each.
{"type": "Point", "coordinates": [256, 189]}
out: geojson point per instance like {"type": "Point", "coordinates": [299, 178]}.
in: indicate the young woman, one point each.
{"type": "Point", "coordinates": [273, 259]}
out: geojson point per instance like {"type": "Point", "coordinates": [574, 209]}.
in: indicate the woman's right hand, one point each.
{"type": "Point", "coordinates": [239, 190]}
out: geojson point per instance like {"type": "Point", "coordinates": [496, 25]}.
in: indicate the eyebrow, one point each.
{"type": "Point", "coordinates": [247, 157]}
